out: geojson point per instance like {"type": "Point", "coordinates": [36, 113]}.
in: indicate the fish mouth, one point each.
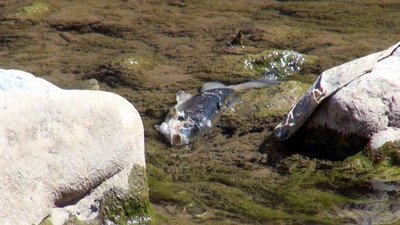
{"type": "Point", "coordinates": [176, 140]}
{"type": "Point", "coordinates": [172, 131]}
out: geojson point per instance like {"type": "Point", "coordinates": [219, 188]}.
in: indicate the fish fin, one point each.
{"type": "Point", "coordinates": [212, 85]}
{"type": "Point", "coordinates": [182, 96]}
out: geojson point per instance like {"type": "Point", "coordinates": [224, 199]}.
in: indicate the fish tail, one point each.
{"type": "Point", "coordinates": [254, 84]}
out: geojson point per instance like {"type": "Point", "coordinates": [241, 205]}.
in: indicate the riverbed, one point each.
{"type": "Point", "coordinates": [148, 50]}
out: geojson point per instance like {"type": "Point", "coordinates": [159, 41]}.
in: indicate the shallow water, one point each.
{"type": "Point", "coordinates": [148, 50]}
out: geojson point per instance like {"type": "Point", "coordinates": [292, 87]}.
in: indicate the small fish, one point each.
{"type": "Point", "coordinates": [195, 115]}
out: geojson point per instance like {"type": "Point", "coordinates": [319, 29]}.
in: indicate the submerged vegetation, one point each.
{"type": "Point", "coordinates": [277, 64]}
{"type": "Point", "coordinates": [237, 174]}
{"type": "Point", "coordinates": [300, 189]}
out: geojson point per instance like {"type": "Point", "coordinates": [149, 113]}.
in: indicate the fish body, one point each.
{"type": "Point", "coordinates": [195, 115]}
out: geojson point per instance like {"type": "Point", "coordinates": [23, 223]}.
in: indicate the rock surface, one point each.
{"type": "Point", "coordinates": [61, 150]}
{"type": "Point", "coordinates": [357, 98]}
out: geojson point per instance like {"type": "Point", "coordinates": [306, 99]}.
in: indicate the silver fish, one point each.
{"type": "Point", "coordinates": [195, 115]}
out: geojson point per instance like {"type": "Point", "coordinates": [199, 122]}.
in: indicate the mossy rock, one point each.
{"type": "Point", "coordinates": [238, 68]}
{"type": "Point", "coordinates": [127, 207]}
{"type": "Point", "coordinates": [271, 101]}
{"type": "Point", "coordinates": [35, 12]}
{"type": "Point", "coordinates": [257, 65]}
{"type": "Point", "coordinates": [261, 109]}
{"type": "Point", "coordinates": [121, 207]}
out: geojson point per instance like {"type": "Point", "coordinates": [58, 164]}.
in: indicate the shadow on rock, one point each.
{"type": "Point", "coordinates": [321, 144]}
{"type": "Point", "coordinates": [325, 144]}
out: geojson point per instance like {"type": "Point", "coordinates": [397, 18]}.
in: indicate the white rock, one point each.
{"type": "Point", "coordinates": [369, 106]}
{"type": "Point", "coordinates": [58, 146]}
{"type": "Point", "coordinates": [359, 97]}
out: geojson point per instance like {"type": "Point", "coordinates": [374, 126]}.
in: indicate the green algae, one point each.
{"type": "Point", "coordinates": [314, 186]}
{"type": "Point", "coordinates": [121, 207]}
{"type": "Point", "coordinates": [164, 189]}
{"type": "Point", "coordinates": [236, 203]}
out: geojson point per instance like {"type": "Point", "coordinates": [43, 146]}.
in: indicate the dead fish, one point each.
{"type": "Point", "coordinates": [195, 115]}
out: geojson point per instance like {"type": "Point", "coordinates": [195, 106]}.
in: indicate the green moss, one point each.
{"type": "Point", "coordinates": [121, 207]}
{"type": "Point", "coordinates": [237, 203]}
{"type": "Point", "coordinates": [299, 191]}
{"type": "Point", "coordinates": [314, 186]}
{"type": "Point", "coordinates": [387, 155]}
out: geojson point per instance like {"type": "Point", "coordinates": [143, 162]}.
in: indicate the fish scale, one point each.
{"type": "Point", "coordinates": [205, 106]}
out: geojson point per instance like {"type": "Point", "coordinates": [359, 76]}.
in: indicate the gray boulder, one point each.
{"type": "Point", "coordinates": [62, 150]}
{"type": "Point", "coordinates": [357, 99]}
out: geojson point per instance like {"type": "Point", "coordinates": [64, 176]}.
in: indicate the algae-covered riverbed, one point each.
{"type": "Point", "coordinates": [147, 50]}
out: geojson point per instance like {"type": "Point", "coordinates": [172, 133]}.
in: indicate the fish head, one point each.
{"type": "Point", "coordinates": [178, 131]}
